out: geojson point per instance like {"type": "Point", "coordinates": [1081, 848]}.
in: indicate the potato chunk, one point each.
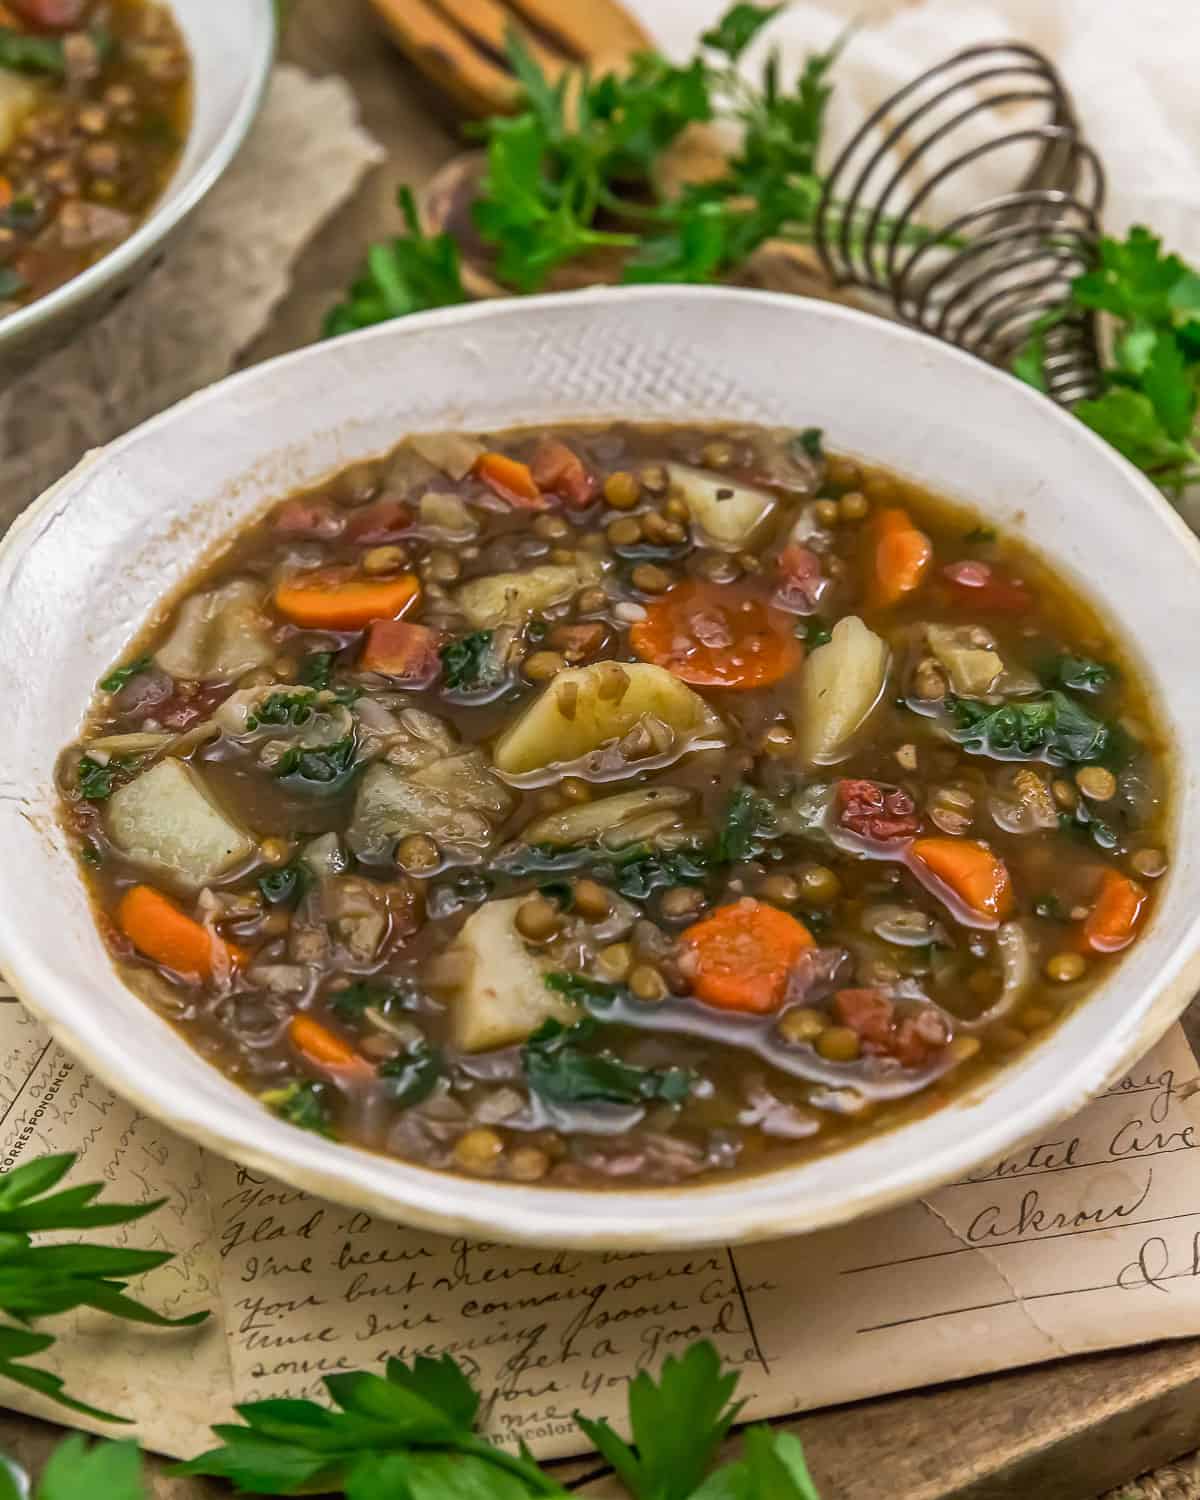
{"type": "Point", "coordinates": [504, 998]}
{"type": "Point", "coordinates": [727, 513]}
{"type": "Point", "coordinates": [840, 684]}
{"type": "Point", "coordinates": [458, 801]}
{"type": "Point", "coordinates": [167, 820]}
{"type": "Point", "coordinates": [585, 708]}
{"type": "Point", "coordinates": [219, 634]}
{"type": "Point", "coordinates": [17, 97]}
{"type": "Point", "coordinates": [510, 598]}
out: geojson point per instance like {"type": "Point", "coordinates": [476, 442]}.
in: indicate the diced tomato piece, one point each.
{"type": "Point", "coordinates": [386, 520]}
{"type": "Point", "coordinates": [54, 15]}
{"type": "Point", "coordinates": [867, 1012]}
{"type": "Point", "coordinates": [802, 581]}
{"type": "Point", "coordinates": [877, 812]}
{"type": "Point", "coordinates": [559, 470]}
{"type": "Point", "coordinates": [983, 586]}
{"type": "Point", "coordinates": [403, 651]}
{"type": "Point", "coordinates": [912, 1039]}
{"type": "Point", "coordinates": [307, 518]}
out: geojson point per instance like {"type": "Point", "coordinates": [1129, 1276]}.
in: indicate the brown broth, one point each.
{"type": "Point", "coordinates": [369, 950]}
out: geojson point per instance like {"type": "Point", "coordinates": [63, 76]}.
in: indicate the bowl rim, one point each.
{"type": "Point", "coordinates": [168, 213]}
{"type": "Point", "coordinates": [653, 1218]}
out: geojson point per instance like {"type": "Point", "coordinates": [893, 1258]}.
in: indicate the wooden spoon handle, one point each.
{"type": "Point", "coordinates": [587, 29]}
{"type": "Point", "coordinates": [471, 79]}
{"type": "Point", "coordinates": [459, 44]}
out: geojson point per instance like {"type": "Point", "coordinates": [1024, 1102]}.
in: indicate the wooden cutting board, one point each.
{"type": "Point", "coordinates": [1068, 1431]}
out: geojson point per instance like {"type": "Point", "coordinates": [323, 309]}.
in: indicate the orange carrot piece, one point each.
{"type": "Point", "coordinates": [717, 635]}
{"type": "Point", "coordinates": [977, 877]}
{"type": "Point", "coordinates": [1112, 922]}
{"type": "Point", "coordinates": [317, 602]}
{"type": "Point", "coordinates": [509, 478]}
{"type": "Point", "coordinates": [6, 187]}
{"type": "Point", "coordinates": [324, 1047]}
{"type": "Point", "coordinates": [743, 954]}
{"type": "Point", "coordinates": [898, 558]}
{"type": "Point", "coordinates": [159, 930]}
{"type": "Point", "coordinates": [400, 649]}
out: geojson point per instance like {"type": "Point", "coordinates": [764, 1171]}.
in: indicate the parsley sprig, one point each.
{"type": "Point", "coordinates": [411, 1431]}
{"type": "Point", "coordinates": [580, 170]}
{"type": "Point", "coordinates": [39, 1281]}
{"type": "Point", "coordinates": [1147, 408]}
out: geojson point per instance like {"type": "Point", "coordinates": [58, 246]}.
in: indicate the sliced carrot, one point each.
{"type": "Point", "coordinates": [6, 192]}
{"type": "Point", "coordinates": [898, 557]}
{"type": "Point", "coordinates": [1112, 922]}
{"type": "Point", "coordinates": [159, 930]}
{"type": "Point", "coordinates": [973, 873]}
{"type": "Point", "coordinates": [718, 635]}
{"type": "Point", "coordinates": [743, 954]}
{"type": "Point", "coordinates": [320, 602]}
{"type": "Point", "coordinates": [324, 1047]}
{"type": "Point", "coordinates": [509, 478]}
{"type": "Point", "coordinates": [400, 649]}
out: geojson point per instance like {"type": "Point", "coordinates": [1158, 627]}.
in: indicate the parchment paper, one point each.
{"type": "Point", "coordinates": [1089, 1239]}
{"type": "Point", "coordinates": [185, 324]}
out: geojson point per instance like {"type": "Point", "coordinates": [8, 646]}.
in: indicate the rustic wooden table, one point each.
{"type": "Point", "coordinates": [1069, 1431]}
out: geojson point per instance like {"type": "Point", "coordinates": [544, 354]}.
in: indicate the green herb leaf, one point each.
{"type": "Point", "coordinates": [580, 987]}
{"type": "Point", "coordinates": [978, 535]}
{"type": "Point", "coordinates": [749, 819]}
{"type": "Point", "coordinates": [361, 995]}
{"type": "Point", "coordinates": [11, 284]}
{"type": "Point", "coordinates": [559, 1071]}
{"type": "Point", "coordinates": [815, 632]}
{"type": "Point", "coordinates": [1078, 673]}
{"type": "Point", "coordinates": [325, 770]}
{"type": "Point", "coordinates": [810, 441]}
{"type": "Point", "coordinates": [39, 1281]}
{"type": "Point", "coordinates": [677, 1425]}
{"type": "Point", "coordinates": [642, 871]}
{"type": "Point", "coordinates": [115, 681]}
{"type": "Point", "coordinates": [1053, 728]}
{"type": "Point", "coordinates": [413, 1075]}
{"type": "Point", "coordinates": [405, 275]}
{"type": "Point", "coordinates": [287, 709]}
{"type": "Point", "coordinates": [100, 1471]}
{"type": "Point", "coordinates": [301, 1102]}
{"type": "Point", "coordinates": [469, 664]}
{"type": "Point", "coordinates": [97, 782]}
{"type": "Point", "coordinates": [1050, 908]}
{"type": "Point", "coordinates": [21, 52]}
{"type": "Point", "coordinates": [316, 669]}
{"type": "Point", "coordinates": [738, 27]}
{"type": "Point", "coordinates": [412, 1432]}
{"type": "Point", "coordinates": [285, 886]}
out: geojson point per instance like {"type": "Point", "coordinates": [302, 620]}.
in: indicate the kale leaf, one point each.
{"type": "Point", "coordinates": [560, 1072]}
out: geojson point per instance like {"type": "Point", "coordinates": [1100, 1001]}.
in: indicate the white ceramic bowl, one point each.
{"type": "Point", "coordinates": [232, 45]}
{"type": "Point", "coordinates": [82, 570]}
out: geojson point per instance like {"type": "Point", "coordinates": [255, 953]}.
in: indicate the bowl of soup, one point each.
{"type": "Point", "coordinates": [622, 769]}
{"type": "Point", "coordinates": [116, 117]}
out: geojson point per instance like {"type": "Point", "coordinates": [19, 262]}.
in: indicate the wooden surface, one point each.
{"type": "Point", "coordinates": [1068, 1431]}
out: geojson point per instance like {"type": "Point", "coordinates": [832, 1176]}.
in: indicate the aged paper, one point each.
{"type": "Point", "coordinates": [1089, 1239]}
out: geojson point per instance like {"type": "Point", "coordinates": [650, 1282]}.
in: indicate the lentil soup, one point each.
{"type": "Point", "coordinates": [94, 110]}
{"type": "Point", "coordinates": [618, 806]}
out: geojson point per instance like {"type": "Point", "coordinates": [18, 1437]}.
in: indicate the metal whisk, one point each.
{"type": "Point", "coordinates": [984, 277]}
